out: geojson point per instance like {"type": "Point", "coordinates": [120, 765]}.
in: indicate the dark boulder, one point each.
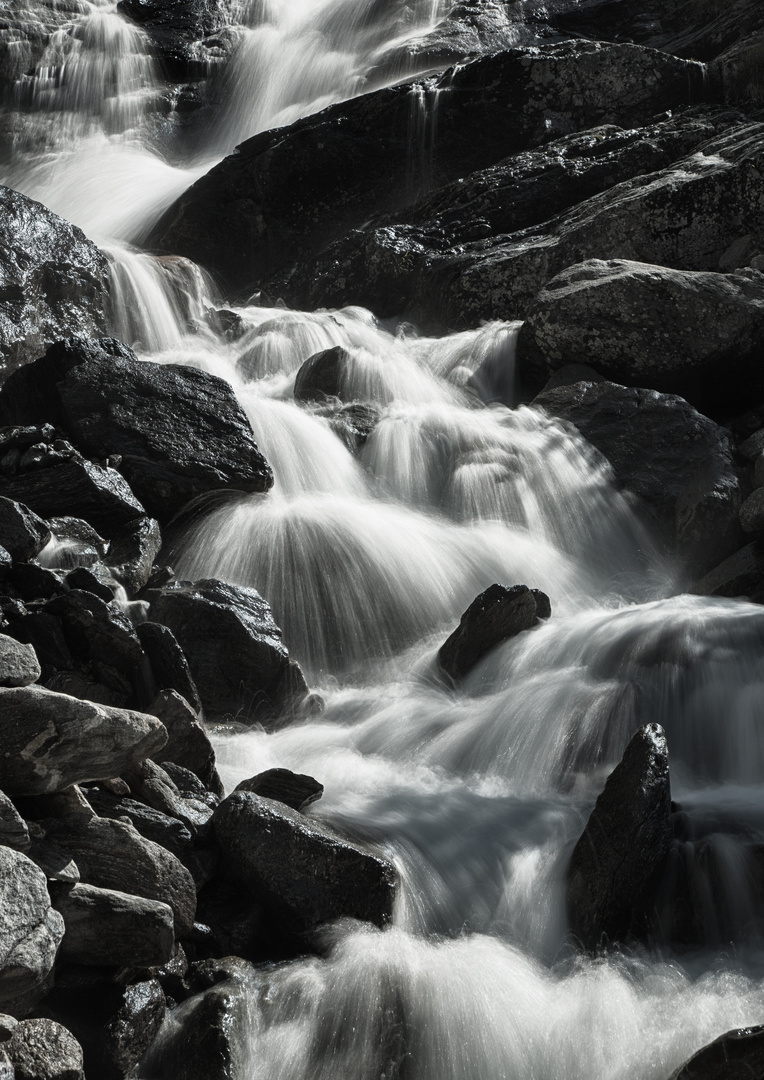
{"type": "Point", "coordinates": [22, 533]}
{"type": "Point", "coordinates": [282, 785]}
{"type": "Point", "coordinates": [736, 1055]}
{"type": "Point", "coordinates": [45, 634]}
{"type": "Point", "coordinates": [104, 928]}
{"type": "Point", "coordinates": [188, 744]}
{"type": "Point", "coordinates": [53, 280]}
{"type": "Point", "coordinates": [184, 33]}
{"type": "Point", "coordinates": [94, 581]}
{"type": "Point", "coordinates": [169, 667]}
{"type": "Point", "coordinates": [742, 574]}
{"type": "Point", "coordinates": [321, 376]}
{"type": "Point", "coordinates": [132, 553]}
{"type": "Point", "coordinates": [286, 194]}
{"type": "Point", "coordinates": [52, 740]}
{"type": "Point", "coordinates": [679, 463]}
{"type": "Point", "coordinates": [626, 840]}
{"type": "Point", "coordinates": [30, 932]}
{"type": "Point", "coordinates": [30, 581]}
{"type": "Point", "coordinates": [234, 649]}
{"type": "Point", "coordinates": [499, 613]}
{"type": "Point", "coordinates": [96, 631]}
{"type": "Point", "coordinates": [299, 868]}
{"type": "Point", "coordinates": [697, 334]}
{"type": "Point", "coordinates": [44, 1050]}
{"type": "Point", "coordinates": [351, 423]}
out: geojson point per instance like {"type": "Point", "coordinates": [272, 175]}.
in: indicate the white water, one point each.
{"type": "Point", "coordinates": [477, 793]}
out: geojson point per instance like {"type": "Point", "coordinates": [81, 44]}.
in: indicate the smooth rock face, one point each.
{"type": "Point", "coordinates": [30, 930]}
{"type": "Point", "coordinates": [696, 334]}
{"type": "Point", "coordinates": [233, 647]}
{"type": "Point", "coordinates": [19, 665]}
{"type": "Point", "coordinates": [104, 927]}
{"type": "Point", "coordinates": [282, 785]}
{"type": "Point", "coordinates": [679, 463]}
{"type": "Point", "coordinates": [44, 1050]}
{"type": "Point", "coordinates": [497, 614]}
{"type": "Point", "coordinates": [255, 213]}
{"type": "Point", "coordinates": [625, 841]}
{"type": "Point", "coordinates": [320, 377]}
{"type": "Point", "coordinates": [52, 740]}
{"type": "Point", "coordinates": [736, 1055]}
{"type": "Point", "coordinates": [305, 873]}
{"type": "Point", "coordinates": [53, 280]}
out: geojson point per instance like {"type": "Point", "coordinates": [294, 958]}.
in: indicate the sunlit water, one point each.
{"type": "Point", "coordinates": [477, 792]}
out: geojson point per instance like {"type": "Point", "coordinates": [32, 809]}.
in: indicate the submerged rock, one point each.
{"type": "Point", "coordinates": [627, 838]}
{"type": "Point", "coordinates": [497, 614]}
{"type": "Point", "coordinates": [301, 870]}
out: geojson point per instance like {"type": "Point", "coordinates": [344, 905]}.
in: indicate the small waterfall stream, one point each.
{"type": "Point", "coordinates": [478, 794]}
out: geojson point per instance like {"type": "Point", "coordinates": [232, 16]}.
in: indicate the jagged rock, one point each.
{"type": "Point", "coordinates": [13, 829]}
{"type": "Point", "coordinates": [18, 663]}
{"type": "Point", "coordinates": [104, 927]}
{"type": "Point", "coordinates": [627, 838]}
{"type": "Point", "coordinates": [31, 581]}
{"type": "Point", "coordinates": [30, 930]}
{"type": "Point", "coordinates": [282, 785]}
{"type": "Point", "coordinates": [132, 554]}
{"type": "Point", "coordinates": [113, 855]}
{"type": "Point", "coordinates": [185, 33]}
{"type": "Point", "coordinates": [321, 376]}
{"type": "Point", "coordinates": [303, 871]}
{"type": "Point", "coordinates": [742, 574]}
{"type": "Point", "coordinates": [169, 666]}
{"type": "Point", "coordinates": [54, 863]}
{"type": "Point", "coordinates": [53, 280]}
{"type": "Point", "coordinates": [233, 647]}
{"type": "Point", "coordinates": [86, 580]}
{"type": "Point", "coordinates": [22, 533]}
{"type": "Point", "coordinates": [69, 803]}
{"type": "Point", "coordinates": [696, 334]}
{"type": "Point", "coordinates": [44, 1050]}
{"type": "Point", "coordinates": [679, 463]}
{"type": "Point", "coordinates": [78, 544]}
{"type": "Point", "coordinates": [97, 631]}
{"type": "Point", "coordinates": [188, 743]}
{"type": "Point", "coordinates": [497, 614]}
{"type": "Point", "coordinates": [130, 1031]}
{"type": "Point", "coordinates": [152, 785]}
{"type": "Point", "coordinates": [254, 214]}
{"type": "Point", "coordinates": [736, 1055]}
{"type": "Point", "coordinates": [52, 740]}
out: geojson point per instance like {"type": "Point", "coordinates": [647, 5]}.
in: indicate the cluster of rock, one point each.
{"type": "Point", "coordinates": [125, 874]}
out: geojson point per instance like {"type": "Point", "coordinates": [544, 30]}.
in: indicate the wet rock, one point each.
{"type": "Point", "coordinates": [86, 580]}
{"type": "Point", "coordinates": [282, 785]}
{"type": "Point", "coordinates": [113, 855]}
{"type": "Point", "coordinates": [13, 829]}
{"type": "Point", "coordinates": [697, 334]}
{"type": "Point", "coordinates": [52, 740]}
{"type": "Point", "coordinates": [742, 574]}
{"type": "Point", "coordinates": [188, 743]}
{"type": "Point", "coordinates": [355, 153]}
{"type": "Point", "coordinates": [499, 613]}
{"type": "Point", "coordinates": [233, 647]}
{"type": "Point", "coordinates": [130, 1031]}
{"type": "Point", "coordinates": [321, 376]}
{"type": "Point", "coordinates": [45, 634]}
{"type": "Point", "coordinates": [132, 553]}
{"type": "Point", "coordinates": [238, 925]}
{"type": "Point", "coordinates": [30, 931]}
{"type": "Point", "coordinates": [169, 666]}
{"type": "Point", "coordinates": [185, 33]}
{"type": "Point", "coordinates": [53, 280]}
{"type": "Point", "coordinates": [34, 582]}
{"type": "Point", "coordinates": [18, 663]}
{"type": "Point", "coordinates": [44, 1050]}
{"type": "Point", "coordinates": [78, 544]}
{"type": "Point", "coordinates": [352, 423]}
{"type": "Point", "coordinates": [736, 1055]}
{"type": "Point", "coordinates": [97, 631]}
{"type": "Point", "coordinates": [104, 927]}
{"type": "Point", "coordinates": [678, 462]}
{"type": "Point", "coordinates": [626, 840]}
{"type": "Point", "coordinates": [22, 533]}
{"type": "Point", "coordinates": [150, 783]}
{"type": "Point", "coordinates": [304, 872]}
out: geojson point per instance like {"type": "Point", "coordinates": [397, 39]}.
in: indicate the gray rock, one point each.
{"type": "Point", "coordinates": [752, 513]}
{"type": "Point", "coordinates": [169, 666]}
{"type": "Point", "coordinates": [282, 785]}
{"type": "Point", "coordinates": [697, 334]}
{"type": "Point", "coordinates": [499, 613]}
{"type": "Point", "coordinates": [53, 280]}
{"type": "Point", "coordinates": [51, 740]}
{"type": "Point", "coordinates": [18, 663]}
{"type": "Point", "coordinates": [30, 930]}
{"type": "Point", "coordinates": [188, 744]}
{"type": "Point", "coordinates": [22, 533]}
{"type": "Point", "coordinates": [185, 34]}
{"type": "Point", "coordinates": [132, 554]}
{"type": "Point", "coordinates": [13, 829]}
{"type": "Point", "coordinates": [113, 855]}
{"type": "Point", "coordinates": [44, 1050]}
{"type": "Point", "coordinates": [151, 784]}
{"type": "Point", "coordinates": [299, 868]}
{"type": "Point", "coordinates": [626, 840]}
{"type": "Point", "coordinates": [104, 928]}
{"type": "Point", "coordinates": [233, 647]}
{"type": "Point", "coordinates": [678, 462]}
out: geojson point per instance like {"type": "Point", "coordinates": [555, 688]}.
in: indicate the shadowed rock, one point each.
{"type": "Point", "coordinates": [104, 927]}
{"type": "Point", "coordinates": [293, 789]}
{"type": "Point", "coordinates": [497, 614]}
{"type": "Point", "coordinates": [736, 1055]}
{"type": "Point", "coordinates": [321, 376]}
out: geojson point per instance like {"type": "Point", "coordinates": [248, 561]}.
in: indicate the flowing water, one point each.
{"type": "Point", "coordinates": [478, 792]}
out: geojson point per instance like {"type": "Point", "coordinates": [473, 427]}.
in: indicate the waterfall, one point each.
{"type": "Point", "coordinates": [368, 559]}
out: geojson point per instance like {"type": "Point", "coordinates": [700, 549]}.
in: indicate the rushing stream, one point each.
{"type": "Point", "coordinates": [478, 794]}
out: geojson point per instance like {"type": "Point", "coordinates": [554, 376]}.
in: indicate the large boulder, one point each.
{"type": "Point", "coordinates": [234, 649]}
{"type": "Point", "coordinates": [741, 574]}
{"type": "Point", "coordinates": [30, 930]}
{"type": "Point", "coordinates": [303, 871]}
{"type": "Point", "coordinates": [108, 928]}
{"type": "Point", "coordinates": [52, 740]}
{"type": "Point", "coordinates": [53, 280]}
{"type": "Point", "coordinates": [22, 533]}
{"type": "Point", "coordinates": [499, 613]}
{"type": "Point", "coordinates": [180, 432]}
{"type": "Point", "coordinates": [736, 1055]}
{"type": "Point", "coordinates": [697, 334]}
{"type": "Point", "coordinates": [680, 464]}
{"type": "Point", "coordinates": [286, 193]}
